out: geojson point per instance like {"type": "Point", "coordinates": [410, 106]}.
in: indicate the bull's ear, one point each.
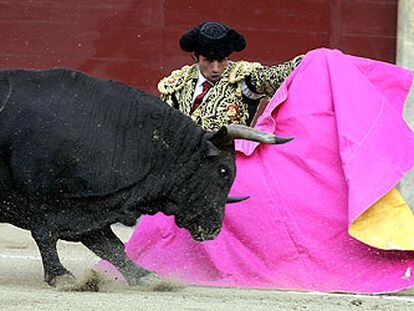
{"type": "Point", "coordinates": [221, 137]}
{"type": "Point", "coordinates": [212, 151]}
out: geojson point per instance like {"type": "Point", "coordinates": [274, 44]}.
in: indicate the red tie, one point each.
{"type": "Point", "coordinates": [199, 98]}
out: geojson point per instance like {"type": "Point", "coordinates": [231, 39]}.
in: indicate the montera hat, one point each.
{"type": "Point", "coordinates": [213, 40]}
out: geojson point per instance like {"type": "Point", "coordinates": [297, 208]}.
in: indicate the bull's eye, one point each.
{"type": "Point", "coordinates": [224, 172]}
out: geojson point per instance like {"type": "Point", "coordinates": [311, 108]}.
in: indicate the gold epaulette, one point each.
{"type": "Point", "coordinates": [241, 69]}
{"type": "Point", "coordinates": [177, 79]}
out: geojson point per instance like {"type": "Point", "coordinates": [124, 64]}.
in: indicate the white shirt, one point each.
{"type": "Point", "coordinates": [199, 86]}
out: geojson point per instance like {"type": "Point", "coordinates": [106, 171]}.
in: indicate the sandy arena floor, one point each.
{"type": "Point", "coordinates": [22, 288]}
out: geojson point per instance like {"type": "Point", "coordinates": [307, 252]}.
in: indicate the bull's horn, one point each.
{"type": "Point", "coordinates": [237, 131]}
{"type": "Point", "coordinates": [236, 199]}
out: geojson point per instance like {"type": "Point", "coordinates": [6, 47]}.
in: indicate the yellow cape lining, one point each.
{"type": "Point", "coordinates": [388, 224]}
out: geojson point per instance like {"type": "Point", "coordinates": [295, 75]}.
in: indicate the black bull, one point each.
{"type": "Point", "coordinates": [78, 154]}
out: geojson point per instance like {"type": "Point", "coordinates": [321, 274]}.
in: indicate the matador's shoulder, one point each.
{"type": "Point", "coordinates": [239, 70]}
{"type": "Point", "coordinates": [177, 79]}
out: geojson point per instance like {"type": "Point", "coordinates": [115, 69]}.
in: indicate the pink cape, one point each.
{"type": "Point", "coordinates": [351, 147]}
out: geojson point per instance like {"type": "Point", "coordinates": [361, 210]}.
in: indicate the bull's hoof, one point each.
{"type": "Point", "coordinates": [63, 282]}
{"type": "Point", "coordinates": [146, 280]}
{"type": "Point", "coordinates": [155, 283]}
{"type": "Point", "coordinates": [92, 282]}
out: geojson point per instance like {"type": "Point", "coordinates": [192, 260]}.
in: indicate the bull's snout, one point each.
{"type": "Point", "coordinates": [201, 228]}
{"type": "Point", "coordinates": [200, 234]}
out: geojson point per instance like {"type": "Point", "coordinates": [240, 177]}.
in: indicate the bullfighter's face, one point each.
{"type": "Point", "coordinates": [212, 69]}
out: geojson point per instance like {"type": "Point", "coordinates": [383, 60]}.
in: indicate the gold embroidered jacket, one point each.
{"type": "Point", "coordinates": [225, 102]}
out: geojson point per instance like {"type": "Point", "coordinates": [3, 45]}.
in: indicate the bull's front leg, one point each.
{"type": "Point", "coordinates": [108, 246]}
{"type": "Point", "coordinates": [53, 268]}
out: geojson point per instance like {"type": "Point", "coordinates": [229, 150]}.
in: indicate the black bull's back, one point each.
{"type": "Point", "coordinates": [70, 121]}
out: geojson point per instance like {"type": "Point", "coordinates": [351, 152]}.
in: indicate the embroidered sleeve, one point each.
{"type": "Point", "coordinates": [239, 70]}
{"type": "Point", "coordinates": [266, 80]}
{"type": "Point", "coordinates": [176, 80]}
